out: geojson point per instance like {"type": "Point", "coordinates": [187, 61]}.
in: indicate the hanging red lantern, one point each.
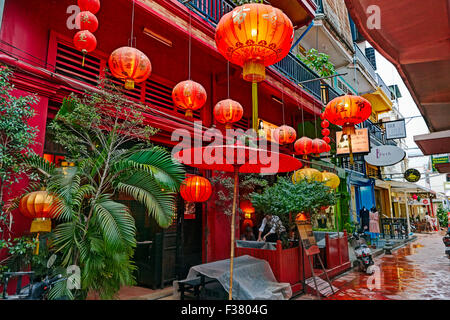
{"type": "Point", "coordinates": [325, 132]}
{"type": "Point", "coordinates": [228, 112]}
{"type": "Point", "coordinates": [130, 65]}
{"type": "Point", "coordinates": [41, 207]}
{"type": "Point", "coordinates": [325, 124]}
{"type": "Point", "coordinates": [326, 139]}
{"type": "Point", "coordinates": [85, 42]}
{"type": "Point", "coordinates": [322, 116]}
{"type": "Point", "coordinates": [254, 36]}
{"type": "Point", "coordinates": [189, 95]}
{"type": "Point", "coordinates": [89, 5]}
{"type": "Point", "coordinates": [347, 111]}
{"type": "Point", "coordinates": [196, 189]}
{"type": "Point", "coordinates": [86, 20]}
{"type": "Point", "coordinates": [318, 146]}
{"type": "Point", "coordinates": [303, 146]}
{"type": "Point", "coordinates": [284, 135]}
{"type": "Point", "coordinates": [327, 148]}
{"type": "Point", "coordinates": [248, 209]}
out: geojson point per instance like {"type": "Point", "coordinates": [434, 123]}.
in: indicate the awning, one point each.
{"type": "Point", "coordinates": [382, 184]}
{"type": "Point", "coordinates": [358, 179]}
{"type": "Point", "coordinates": [434, 143]}
{"type": "Point", "coordinates": [379, 100]}
{"type": "Point", "coordinates": [408, 187]}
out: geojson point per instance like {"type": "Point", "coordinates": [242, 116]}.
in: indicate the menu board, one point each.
{"type": "Point", "coordinates": [267, 128]}
{"type": "Point", "coordinates": [307, 237]}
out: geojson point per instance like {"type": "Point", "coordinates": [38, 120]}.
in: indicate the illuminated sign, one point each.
{"type": "Point", "coordinates": [360, 142]}
{"type": "Point", "coordinates": [267, 129]}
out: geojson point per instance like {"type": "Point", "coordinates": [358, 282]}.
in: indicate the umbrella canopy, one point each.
{"type": "Point", "coordinates": [227, 157]}
{"type": "Point", "coordinates": [237, 158]}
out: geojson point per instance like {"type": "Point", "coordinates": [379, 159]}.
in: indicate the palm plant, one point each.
{"type": "Point", "coordinates": [106, 137]}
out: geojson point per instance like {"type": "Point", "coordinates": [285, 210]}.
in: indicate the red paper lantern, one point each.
{"type": "Point", "coordinates": [284, 135]}
{"type": "Point", "coordinates": [228, 112]}
{"type": "Point", "coordinates": [85, 42]}
{"type": "Point", "coordinates": [247, 223]}
{"type": "Point", "coordinates": [325, 124]}
{"type": "Point", "coordinates": [303, 146]}
{"type": "Point", "coordinates": [189, 95]}
{"type": "Point", "coordinates": [326, 139]}
{"type": "Point", "coordinates": [130, 65]}
{"type": "Point", "coordinates": [247, 207]}
{"type": "Point", "coordinates": [327, 148]}
{"type": "Point", "coordinates": [325, 132]}
{"type": "Point", "coordinates": [318, 146]}
{"type": "Point", "coordinates": [254, 36]}
{"type": "Point", "coordinates": [347, 111]}
{"type": "Point", "coordinates": [89, 5]}
{"type": "Point", "coordinates": [86, 20]}
{"type": "Point", "coordinates": [196, 189]}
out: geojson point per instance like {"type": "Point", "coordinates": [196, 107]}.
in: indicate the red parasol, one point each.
{"type": "Point", "coordinates": [237, 158]}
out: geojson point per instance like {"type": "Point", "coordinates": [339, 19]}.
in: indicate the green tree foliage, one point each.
{"type": "Point", "coordinates": [319, 62]}
{"type": "Point", "coordinates": [107, 139]}
{"type": "Point", "coordinates": [442, 216]}
{"type": "Point", "coordinates": [284, 197]}
{"type": "Point", "coordinates": [16, 139]}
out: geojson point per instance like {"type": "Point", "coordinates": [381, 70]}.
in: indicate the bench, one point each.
{"type": "Point", "coordinates": [193, 286]}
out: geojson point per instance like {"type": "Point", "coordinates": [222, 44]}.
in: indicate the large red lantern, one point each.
{"type": "Point", "coordinates": [85, 42]}
{"type": "Point", "coordinates": [284, 135]}
{"type": "Point", "coordinates": [189, 95]}
{"type": "Point", "coordinates": [41, 207]}
{"type": "Point", "coordinates": [89, 5]}
{"type": "Point", "coordinates": [86, 20]}
{"type": "Point", "coordinates": [228, 112]}
{"type": "Point", "coordinates": [254, 36]}
{"type": "Point", "coordinates": [318, 146]}
{"type": "Point", "coordinates": [347, 111]}
{"type": "Point", "coordinates": [303, 146]}
{"type": "Point", "coordinates": [196, 189]}
{"type": "Point", "coordinates": [130, 65]}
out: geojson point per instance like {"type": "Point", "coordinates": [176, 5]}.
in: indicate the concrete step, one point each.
{"type": "Point", "coordinates": [322, 285]}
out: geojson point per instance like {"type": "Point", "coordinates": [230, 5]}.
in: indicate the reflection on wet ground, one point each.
{"type": "Point", "coordinates": [420, 270]}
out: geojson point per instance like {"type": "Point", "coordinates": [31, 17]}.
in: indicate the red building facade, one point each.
{"type": "Point", "coordinates": [36, 41]}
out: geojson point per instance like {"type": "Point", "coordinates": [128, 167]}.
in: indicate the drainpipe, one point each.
{"type": "Point", "coordinates": [407, 214]}
{"type": "Point", "coordinates": [303, 34]}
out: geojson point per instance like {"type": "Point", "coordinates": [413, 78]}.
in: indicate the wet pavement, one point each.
{"type": "Point", "coordinates": [419, 270]}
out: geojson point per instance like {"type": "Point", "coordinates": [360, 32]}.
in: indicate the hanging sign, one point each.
{"type": "Point", "coordinates": [266, 128]}
{"type": "Point", "coordinates": [382, 156]}
{"type": "Point", "coordinates": [395, 129]}
{"type": "Point", "coordinates": [439, 158]}
{"type": "Point", "coordinates": [412, 175]}
{"type": "Point", "coordinates": [360, 142]}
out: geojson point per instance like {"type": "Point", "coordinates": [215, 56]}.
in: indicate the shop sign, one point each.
{"type": "Point", "coordinates": [382, 156]}
{"type": "Point", "coordinates": [266, 128]}
{"type": "Point", "coordinates": [412, 175]}
{"type": "Point", "coordinates": [395, 129]}
{"type": "Point", "coordinates": [360, 142]}
{"type": "Point", "coordinates": [439, 158]}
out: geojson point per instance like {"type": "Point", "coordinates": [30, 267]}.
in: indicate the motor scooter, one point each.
{"type": "Point", "coordinates": [362, 252]}
{"type": "Point", "coordinates": [446, 241]}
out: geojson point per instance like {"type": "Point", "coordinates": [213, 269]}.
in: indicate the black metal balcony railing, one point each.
{"type": "Point", "coordinates": [374, 130]}
{"type": "Point", "coordinates": [365, 62]}
{"type": "Point", "coordinates": [291, 67]}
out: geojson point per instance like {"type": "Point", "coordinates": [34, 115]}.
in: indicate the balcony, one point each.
{"type": "Point", "coordinates": [377, 133]}
{"type": "Point", "coordinates": [367, 65]}
{"type": "Point", "coordinates": [292, 68]}
{"type": "Point", "coordinates": [384, 87]}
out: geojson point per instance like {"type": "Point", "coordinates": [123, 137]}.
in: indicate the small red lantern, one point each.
{"type": "Point", "coordinates": [247, 223]}
{"type": "Point", "coordinates": [325, 124]}
{"type": "Point", "coordinates": [189, 95]}
{"type": "Point", "coordinates": [322, 116]}
{"type": "Point", "coordinates": [89, 5]}
{"type": "Point", "coordinates": [318, 146]}
{"type": "Point", "coordinates": [247, 207]}
{"type": "Point", "coordinates": [303, 146]}
{"type": "Point", "coordinates": [85, 41]}
{"type": "Point", "coordinates": [228, 112]}
{"type": "Point", "coordinates": [326, 139]}
{"type": "Point", "coordinates": [86, 20]}
{"type": "Point", "coordinates": [325, 132]}
{"type": "Point", "coordinates": [130, 65]}
{"type": "Point", "coordinates": [327, 148]}
{"type": "Point", "coordinates": [284, 135]}
{"type": "Point", "coordinates": [196, 189]}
